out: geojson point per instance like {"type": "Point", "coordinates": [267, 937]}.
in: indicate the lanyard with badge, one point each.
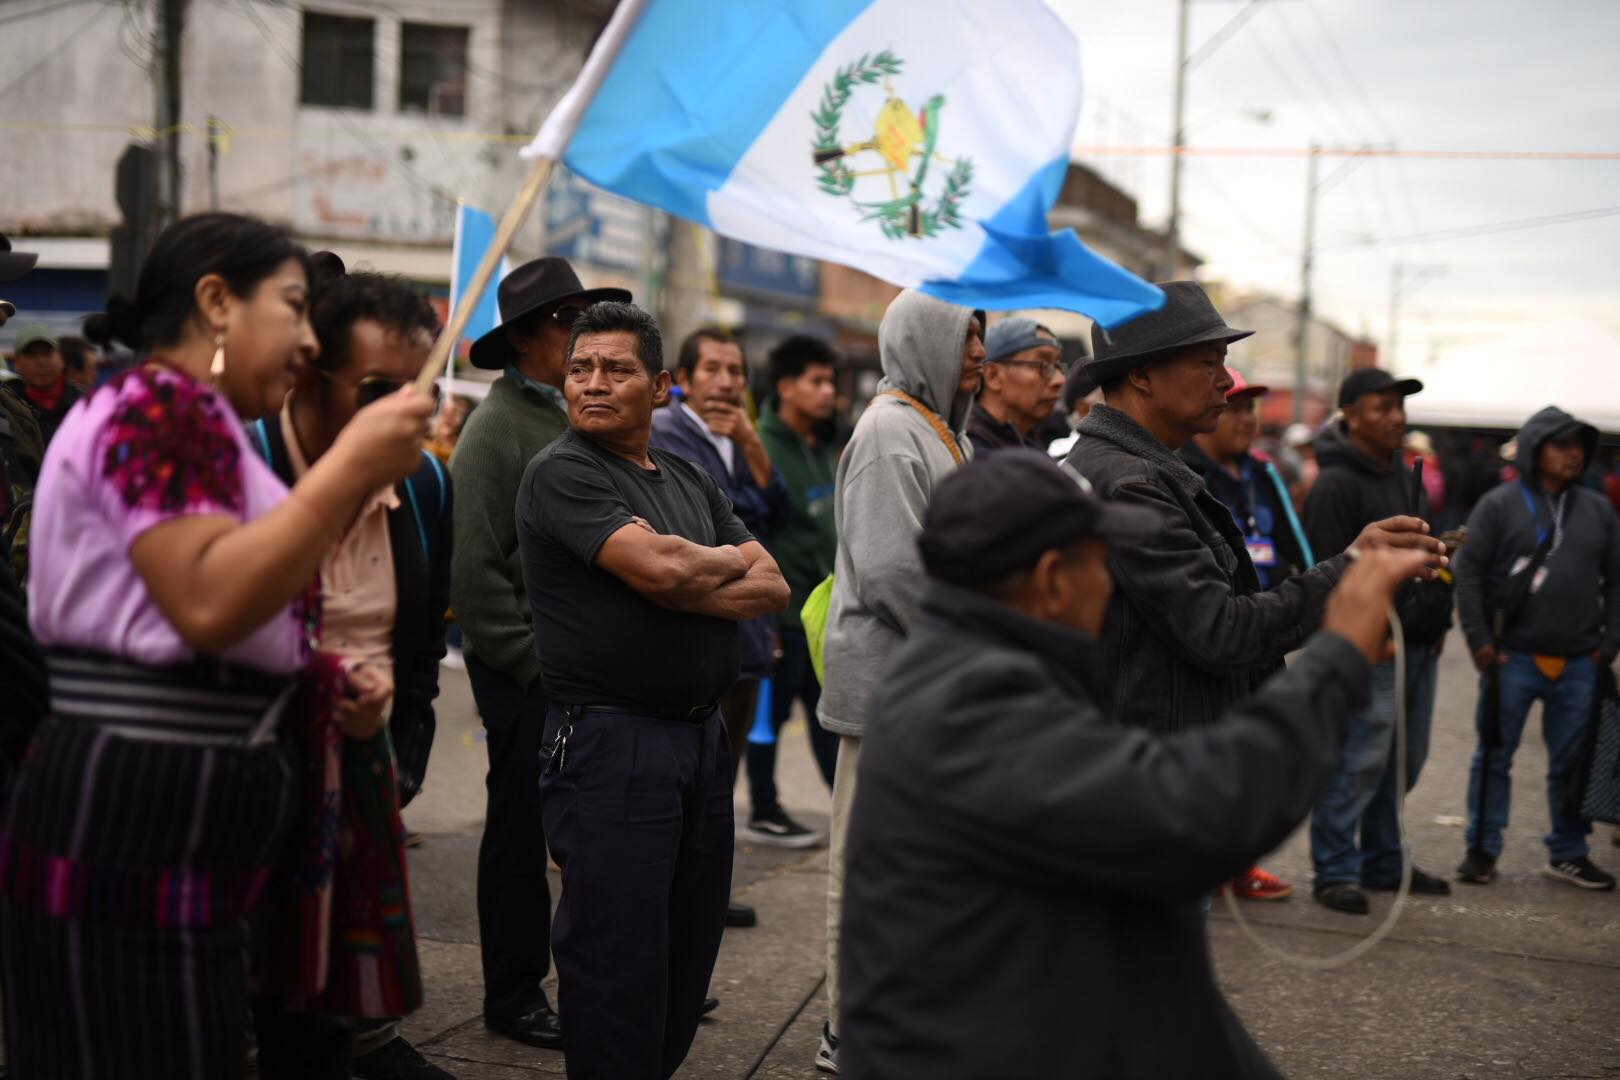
{"type": "Point", "coordinates": [1557, 508]}
{"type": "Point", "coordinates": [1257, 530]}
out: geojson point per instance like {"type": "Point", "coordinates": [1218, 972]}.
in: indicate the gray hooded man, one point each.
{"type": "Point", "coordinates": [909, 439]}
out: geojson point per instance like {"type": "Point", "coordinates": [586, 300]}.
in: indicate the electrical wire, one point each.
{"type": "Point", "coordinates": [1490, 228]}
{"type": "Point", "coordinates": [48, 9]}
{"type": "Point", "coordinates": [1404, 889]}
{"type": "Point", "coordinates": [50, 53]}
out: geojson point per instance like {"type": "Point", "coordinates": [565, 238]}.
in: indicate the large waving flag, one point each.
{"type": "Point", "coordinates": [922, 141]}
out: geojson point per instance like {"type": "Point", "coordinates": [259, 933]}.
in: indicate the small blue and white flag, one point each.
{"type": "Point", "coordinates": [922, 141]}
{"type": "Point", "coordinates": [475, 231]}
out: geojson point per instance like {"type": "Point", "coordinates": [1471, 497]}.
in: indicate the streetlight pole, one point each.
{"type": "Point", "coordinates": [1178, 137]}
{"type": "Point", "coordinates": [1302, 329]}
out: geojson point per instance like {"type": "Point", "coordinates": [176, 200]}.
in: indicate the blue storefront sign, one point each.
{"type": "Point", "coordinates": [585, 224]}
{"type": "Point", "coordinates": [775, 275]}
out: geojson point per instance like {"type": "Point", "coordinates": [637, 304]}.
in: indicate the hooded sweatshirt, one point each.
{"type": "Point", "coordinates": [885, 479]}
{"type": "Point", "coordinates": [1352, 491]}
{"type": "Point", "coordinates": [1576, 609]}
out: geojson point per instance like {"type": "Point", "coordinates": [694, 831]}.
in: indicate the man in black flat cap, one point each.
{"type": "Point", "coordinates": [1189, 630]}
{"type": "Point", "coordinates": [523, 413]}
{"type": "Point", "coordinates": [1017, 862]}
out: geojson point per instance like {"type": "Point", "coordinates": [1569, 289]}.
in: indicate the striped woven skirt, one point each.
{"type": "Point", "coordinates": [142, 830]}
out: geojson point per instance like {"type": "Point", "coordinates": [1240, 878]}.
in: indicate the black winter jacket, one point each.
{"type": "Point", "coordinates": [422, 587]}
{"type": "Point", "coordinates": [1018, 866]}
{"type": "Point", "coordinates": [1577, 609]}
{"type": "Point", "coordinates": [1351, 492]}
{"type": "Point", "coordinates": [1189, 632]}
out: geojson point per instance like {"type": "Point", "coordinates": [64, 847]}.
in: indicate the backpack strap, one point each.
{"type": "Point", "coordinates": [934, 421]}
{"type": "Point", "coordinates": [430, 472]}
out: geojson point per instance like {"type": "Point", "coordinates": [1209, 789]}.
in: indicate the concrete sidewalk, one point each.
{"type": "Point", "coordinates": [1517, 979]}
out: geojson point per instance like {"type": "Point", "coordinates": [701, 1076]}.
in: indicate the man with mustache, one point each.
{"type": "Point", "coordinates": [1023, 381]}
{"type": "Point", "coordinates": [1189, 631]}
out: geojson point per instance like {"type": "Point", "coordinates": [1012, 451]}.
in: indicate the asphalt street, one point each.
{"type": "Point", "coordinates": [1517, 979]}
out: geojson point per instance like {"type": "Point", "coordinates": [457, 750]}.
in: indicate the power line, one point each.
{"type": "Point", "coordinates": [47, 9]}
{"type": "Point", "coordinates": [1487, 229]}
{"type": "Point", "coordinates": [1150, 150]}
{"type": "Point", "coordinates": [51, 53]}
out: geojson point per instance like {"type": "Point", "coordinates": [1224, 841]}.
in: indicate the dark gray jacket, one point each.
{"type": "Point", "coordinates": [1189, 632]}
{"type": "Point", "coordinates": [1577, 608]}
{"type": "Point", "coordinates": [1024, 884]}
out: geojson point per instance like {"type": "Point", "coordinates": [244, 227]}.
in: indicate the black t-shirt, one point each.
{"type": "Point", "coordinates": [600, 641]}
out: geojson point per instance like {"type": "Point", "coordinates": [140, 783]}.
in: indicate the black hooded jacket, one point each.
{"type": "Point", "coordinates": [1577, 608]}
{"type": "Point", "coordinates": [1025, 879]}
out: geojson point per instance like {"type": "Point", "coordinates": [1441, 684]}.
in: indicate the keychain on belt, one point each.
{"type": "Point", "coordinates": [557, 752]}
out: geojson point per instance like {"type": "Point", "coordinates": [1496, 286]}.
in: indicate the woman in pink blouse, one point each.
{"type": "Point", "coordinates": [171, 584]}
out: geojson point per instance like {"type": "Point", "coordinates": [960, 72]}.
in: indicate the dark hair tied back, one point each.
{"type": "Point", "coordinates": [242, 250]}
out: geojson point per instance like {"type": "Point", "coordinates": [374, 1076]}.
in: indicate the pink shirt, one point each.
{"type": "Point", "coordinates": [150, 446]}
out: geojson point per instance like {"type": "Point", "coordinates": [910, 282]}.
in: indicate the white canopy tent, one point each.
{"type": "Point", "coordinates": [1499, 384]}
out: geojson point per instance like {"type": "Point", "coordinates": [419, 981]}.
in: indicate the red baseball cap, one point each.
{"type": "Point", "coordinates": [1242, 388]}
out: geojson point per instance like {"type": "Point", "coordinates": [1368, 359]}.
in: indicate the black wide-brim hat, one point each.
{"type": "Point", "coordinates": [534, 286]}
{"type": "Point", "coordinates": [1187, 318]}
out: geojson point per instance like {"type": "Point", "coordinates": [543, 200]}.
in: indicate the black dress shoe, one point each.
{"type": "Point", "coordinates": [1422, 885]}
{"type": "Point", "coordinates": [709, 1005]}
{"type": "Point", "coordinates": [538, 1028]}
{"type": "Point", "coordinates": [740, 915]}
{"type": "Point", "coordinates": [1341, 896]}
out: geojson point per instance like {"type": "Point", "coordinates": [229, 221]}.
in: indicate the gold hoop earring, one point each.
{"type": "Point", "coordinates": [217, 368]}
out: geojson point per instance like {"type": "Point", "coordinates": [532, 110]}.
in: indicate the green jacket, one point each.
{"type": "Point", "coordinates": [806, 546]}
{"type": "Point", "coordinates": [515, 422]}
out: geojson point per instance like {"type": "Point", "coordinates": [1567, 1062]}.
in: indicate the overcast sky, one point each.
{"type": "Point", "coordinates": [1498, 75]}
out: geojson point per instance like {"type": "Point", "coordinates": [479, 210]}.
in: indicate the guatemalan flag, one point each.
{"type": "Point", "coordinates": [921, 141]}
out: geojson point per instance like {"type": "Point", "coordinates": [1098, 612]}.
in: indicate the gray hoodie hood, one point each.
{"type": "Point", "coordinates": [1552, 423]}
{"type": "Point", "coordinates": [920, 346]}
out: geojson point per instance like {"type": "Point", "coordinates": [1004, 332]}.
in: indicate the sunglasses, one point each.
{"type": "Point", "coordinates": [566, 315]}
{"type": "Point", "coordinates": [373, 388]}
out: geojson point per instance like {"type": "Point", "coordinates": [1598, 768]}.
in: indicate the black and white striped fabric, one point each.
{"type": "Point", "coordinates": [141, 832]}
{"type": "Point", "coordinates": [1595, 774]}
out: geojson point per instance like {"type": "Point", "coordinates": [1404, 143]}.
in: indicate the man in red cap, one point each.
{"type": "Point", "coordinates": [1247, 483]}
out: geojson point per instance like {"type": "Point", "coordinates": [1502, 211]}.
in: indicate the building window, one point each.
{"type": "Point", "coordinates": [433, 69]}
{"type": "Point", "coordinates": [338, 61]}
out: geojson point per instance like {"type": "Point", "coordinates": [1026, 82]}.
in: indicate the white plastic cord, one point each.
{"type": "Point", "coordinates": [1360, 948]}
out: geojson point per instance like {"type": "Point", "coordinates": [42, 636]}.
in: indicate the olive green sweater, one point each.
{"type": "Point", "coordinates": [514, 423]}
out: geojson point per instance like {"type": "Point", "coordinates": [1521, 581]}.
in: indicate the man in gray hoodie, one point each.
{"type": "Point", "coordinates": [1547, 625]}
{"type": "Point", "coordinates": [909, 438]}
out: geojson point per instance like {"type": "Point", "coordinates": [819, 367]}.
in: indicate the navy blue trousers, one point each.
{"type": "Point", "coordinates": [639, 818]}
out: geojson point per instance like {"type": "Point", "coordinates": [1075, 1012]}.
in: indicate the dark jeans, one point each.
{"type": "Point", "coordinates": [640, 820]}
{"type": "Point", "coordinates": [1566, 710]}
{"type": "Point", "coordinates": [514, 898]}
{"type": "Point", "coordinates": [793, 678]}
{"type": "Point", "coordinates": [1365, 759]}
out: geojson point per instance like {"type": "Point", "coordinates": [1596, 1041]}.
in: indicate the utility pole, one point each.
{"type": "Point", "coordinates": [213, 162]}
{"type": "Point", "coordinates": [1178, 136]}
{"type": "Point", "coordinates": [171, 21]}
{"type": "Point", "coordinates": [1302, 332]}
{"type": "Point", "coordinates": [1402, 275]}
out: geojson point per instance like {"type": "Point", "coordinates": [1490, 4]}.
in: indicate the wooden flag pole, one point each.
{"type": "Point", "coordinates": [533, 184]}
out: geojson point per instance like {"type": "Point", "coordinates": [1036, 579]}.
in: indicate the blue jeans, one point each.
{"type": "Point", "coordinates": [1380, 829]}
{"type": "Point", "coordinates": [1566, 709]}
{"type": "Point", "coordinates": [1356, 795]}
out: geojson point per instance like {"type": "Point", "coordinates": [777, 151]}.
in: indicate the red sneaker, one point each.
{"type": "Point", "coordinates": [1256, 884]}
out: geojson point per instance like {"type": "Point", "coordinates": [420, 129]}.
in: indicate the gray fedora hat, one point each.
{"type": "Point", "coordinates": [1186, 319]}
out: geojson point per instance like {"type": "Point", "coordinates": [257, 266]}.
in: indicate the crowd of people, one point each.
{"type": "Point", "coordinates": [1045, 677]}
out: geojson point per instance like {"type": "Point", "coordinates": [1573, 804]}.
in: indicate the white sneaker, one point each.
{"type": "Point", "coordinates": [453, 659]}
{"type": "Point", "coordinates": [827, 1053]}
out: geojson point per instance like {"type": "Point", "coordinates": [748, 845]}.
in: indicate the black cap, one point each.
{"type": "Point", "coordinates": [1002, 512]}
{"type": "Point", "coordinates": [1358, 384]}
{"type": "Point", "coordinates": [1076, 386]}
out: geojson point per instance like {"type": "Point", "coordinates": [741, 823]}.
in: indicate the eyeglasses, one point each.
{"type": "Point", "coordinates": [1049, 368]}
{"type": "Point", "coordinates": [582, 370]}
{"type": "Point", "coordinates": [371, 388]}
{"type": "Point", "coordinates": [566, 315]}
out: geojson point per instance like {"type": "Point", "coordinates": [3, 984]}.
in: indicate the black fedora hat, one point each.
{"type": "Point", "coordinates": [538, 284]}
{"type": "Point", "coordinates": [1187, 318]}
{"type": "Point", "coordinates": [14, 264]}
